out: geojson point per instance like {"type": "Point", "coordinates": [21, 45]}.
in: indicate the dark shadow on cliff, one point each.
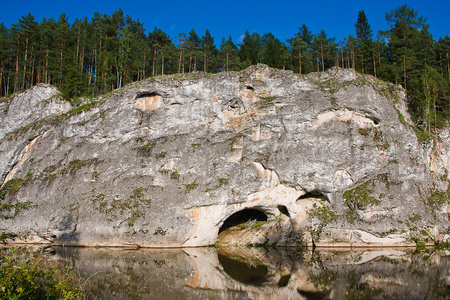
{"type": "Point", "coordinates": [69, 236]}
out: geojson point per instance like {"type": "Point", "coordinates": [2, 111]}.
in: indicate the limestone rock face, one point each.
{"type": "Point", "coordinates": [328, 159]}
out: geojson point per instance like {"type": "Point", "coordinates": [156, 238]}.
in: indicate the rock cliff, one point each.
{"type": "Point", "coordinates": [324, 159]}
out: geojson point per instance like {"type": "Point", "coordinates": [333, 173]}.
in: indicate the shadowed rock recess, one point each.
{"type": "Point", "coordinates": [261, 157]}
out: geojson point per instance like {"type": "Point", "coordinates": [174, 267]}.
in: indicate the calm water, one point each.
{"type": "Point", "coordinates": [258, 273]}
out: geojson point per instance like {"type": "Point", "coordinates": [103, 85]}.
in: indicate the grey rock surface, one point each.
{"type": "Point", "coordinates": [166, 161]}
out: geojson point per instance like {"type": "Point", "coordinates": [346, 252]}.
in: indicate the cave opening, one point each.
{"type": "Point", "coordinates": [242, 217]}
{"type": "Point", "coordinates": [314, 194]}
{"type": "Point", "coordinates": [283, 209]}
{"type": "Point", "coordinates": [148, 95]}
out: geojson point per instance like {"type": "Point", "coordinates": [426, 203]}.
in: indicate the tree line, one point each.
{"type": "Point", "coordinates": [90, 57]}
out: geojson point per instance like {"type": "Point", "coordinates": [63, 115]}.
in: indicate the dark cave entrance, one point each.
{"type": "Point", "coordinates": [243, 216]}
{"type": "Point", "coordinates": [147, 94]}
{"type": "Point", "coordinates": [316, 195]}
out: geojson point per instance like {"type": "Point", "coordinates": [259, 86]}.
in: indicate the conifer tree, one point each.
{"type": "Point", "coordinates": [249, 50]}
{"type": "Point", "coordinates": [363, 43]}
{"type": "Point", "coordinates": [209, 53]}
{"type": "Point", "coordinates": [228, 55]}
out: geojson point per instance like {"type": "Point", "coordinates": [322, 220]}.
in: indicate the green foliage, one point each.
{"type": "Point", "coordinates": [73, 166]}
{"type": "Point", "coordinates": [190, 186]}
{"type": "Point", "coordinates": [438, 198]}
{"type": "Point", "coordinates": [415, 218]}
{"type": "Point", "coordinates": [131, 208]}
{"type": "Point", "coordinates": [11, 187]}
{"type": "Point", "coordinates": [266, 102]}
{"type": "Point", "coordinates": [222, 181]}
{"type": "Point", "coordinates": [358, 198]}
{"type": "Point", "coordinates": [174, 175]}
{"type": "Point", "coordinates": [82, 108]}
{"type": "Point", "coordinates": [323, 213]}
{"type": "Point", "coordinates": [419, 244]}
{"type": "Point", "coordinates": [160, 231]}
{"type": "Point", "coordinates": [234, 140]}
{"type": "Point", "coordinates": [161, 154]}
{"type": "Point", "coordinates": [26, 275]}
{"type": "Point", "coordinates": [258, 224]}
{"type": "Point", "coordinates": [364, 131]}
{"type": "Point", "coordinates": [146, 149]}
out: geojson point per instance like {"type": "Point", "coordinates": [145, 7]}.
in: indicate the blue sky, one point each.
{"type": "Point", "coordinates": [222, 18]}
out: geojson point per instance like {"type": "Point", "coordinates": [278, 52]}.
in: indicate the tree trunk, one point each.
{"type": "Point", "coordinates": [299, 59]}
{"type": "Point", "coordinates": [317, 61]}
{"type": "Point", "coordinates": [82, 59]}
{"type": "Point", "coordinates": [204, 62]}
{"type": "Point", "coordinates": [46, 67]}
{"type": "Point", "coordinates": [32, 69]}
{"type": "Point", "coordinates": [143, 67]}
{"type": "Point", "coordinates": [322, 58]}
{"type": "Point", "coordinates": [404, 70]}
{"type": "Point", "coordinates": [353, 57]}
{"type": "Point", "coordinates": [78, 43]}
{"type": "Point", "coordinates": [227, 61]}
{"type": "Point", "coordinates": [95, 69]}
{"type": "Point", "coordinates": [1, 77]}
{"type": "Point", "coordinates": [154, 63]}
{"type": "Point", "coordinates": [61, 62]}
{"type": "Point", "coordinates": [16, 77]}
{"type": "Point", "coordinates": [179, 62]}
{"type": "Point", "coordinates": [448, 67]}
{"type": "Point", "coordinates": [25, 63]}
{"type": "Point", "coordinates": [374, 66]}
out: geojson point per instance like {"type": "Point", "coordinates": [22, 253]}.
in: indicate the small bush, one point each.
{"type": "Point", "coordinates": [26, 275]}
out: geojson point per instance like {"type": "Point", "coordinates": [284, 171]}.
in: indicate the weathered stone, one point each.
{"type": "Point", "coordinates": [329, 158]}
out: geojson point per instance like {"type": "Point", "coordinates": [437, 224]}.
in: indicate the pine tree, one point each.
{"type": "Point", "coordinates": [299, 47]}
{"type": "Point", "coordinates": [271, 51]}
{"type": "Point", "coordinates": [209, 53]}
{"type": "Point", "coordinates": [193, 47]}
{"type": "Point", "coordinates": [364, 43]}
{"type": "Point", "coordinates": [249, 50]}
{"type": "Point", "coordinates": [228, 55]}
{"type": "Point", "coordinates": [325, 51]}
{"type": "Point", "coordinates": [4, 57]}
{"type": "Point", "coordinates": [404, 36]}
{"type": "Point", "coordinates": [443, 55]}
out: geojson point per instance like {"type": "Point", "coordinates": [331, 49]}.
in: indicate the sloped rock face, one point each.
{"type": "Point", "coordinates": [327, 158]}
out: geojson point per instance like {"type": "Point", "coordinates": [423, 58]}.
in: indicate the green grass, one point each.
{"type": "Point", "coordinates": [81, 108]}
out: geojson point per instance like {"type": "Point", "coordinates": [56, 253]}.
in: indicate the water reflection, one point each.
{"type": "Point", "coordinates": [260, 273]}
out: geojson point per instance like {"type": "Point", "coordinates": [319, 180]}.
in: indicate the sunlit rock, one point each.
{"type": "Point", "coordinates": [325, 159]}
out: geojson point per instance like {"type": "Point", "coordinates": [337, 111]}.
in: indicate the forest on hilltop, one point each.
{"type": "Point", "coordinates": [87, 58]}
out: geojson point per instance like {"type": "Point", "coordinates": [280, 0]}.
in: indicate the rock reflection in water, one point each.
{"type": "Point", "coordinates": [260, 273]}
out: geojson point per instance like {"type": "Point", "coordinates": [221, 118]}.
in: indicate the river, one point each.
{"type": "Point", "coordinates": [262, 273]}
